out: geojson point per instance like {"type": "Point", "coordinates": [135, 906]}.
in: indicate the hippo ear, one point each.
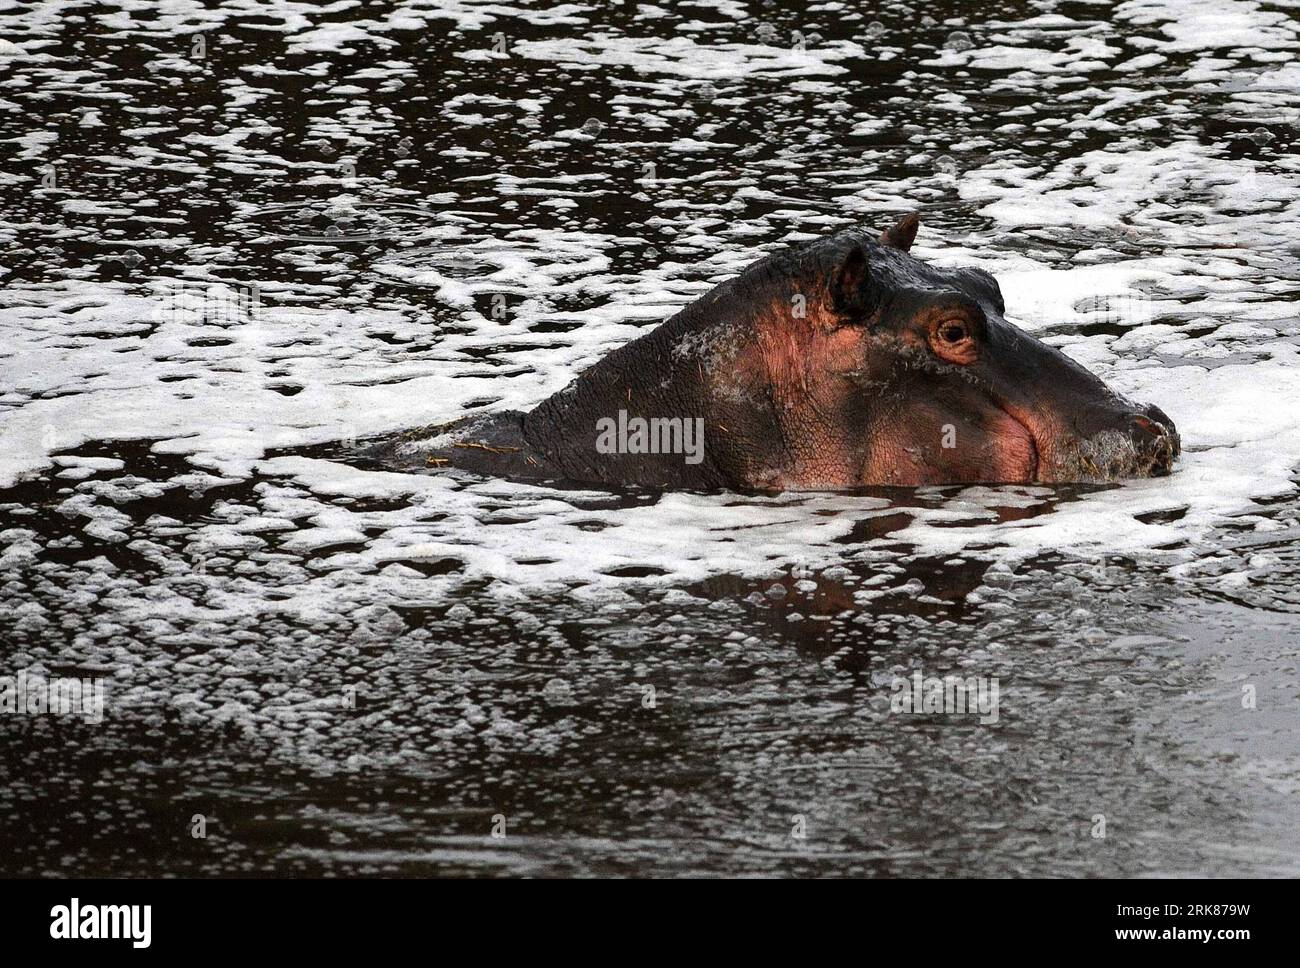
{"type": "Point", "coordinates": [902, 233]}
{"type": "Point", "coordinates": [851, 283]}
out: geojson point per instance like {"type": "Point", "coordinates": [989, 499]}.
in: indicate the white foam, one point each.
{"type": "Point", "coordinates": [1194, 25]}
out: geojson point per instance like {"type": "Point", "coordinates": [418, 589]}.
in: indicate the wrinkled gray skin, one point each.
{"type": "Point", "coordinates": [841, 363]}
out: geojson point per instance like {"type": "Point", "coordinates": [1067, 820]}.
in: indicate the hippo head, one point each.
{"type": "Point", "coordinates": [842, 363]}
{"type": "Point", "coordinates": [863, 365]}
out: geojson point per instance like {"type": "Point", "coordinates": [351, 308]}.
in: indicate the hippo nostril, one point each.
{"type": "Point", "coordinates": [1155, 440]}
{"type": "Point", "coordinates": [1148, 425]}
{"type": "Point", "coordinates": [1155, 415]}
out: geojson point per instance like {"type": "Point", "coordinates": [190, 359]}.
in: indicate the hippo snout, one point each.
{"type": "Point", "coordinates": [1141, 442]}
{"type": "Point", "coordinates": [1155, 441]}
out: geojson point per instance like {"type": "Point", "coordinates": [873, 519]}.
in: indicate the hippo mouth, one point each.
{"type": "Point", "coordinates": [1017, 457]}
{"type": "Point", "coordinates": [1133, 441]}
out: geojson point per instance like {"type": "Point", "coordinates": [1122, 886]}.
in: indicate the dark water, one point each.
{"type": "Point", "coordinates": [233, 242]}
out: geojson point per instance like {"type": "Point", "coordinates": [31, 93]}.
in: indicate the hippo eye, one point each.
{"type": "Point", "coordinates": [953, 332]}
{"type": "Point", "coordinates": [952, 339]}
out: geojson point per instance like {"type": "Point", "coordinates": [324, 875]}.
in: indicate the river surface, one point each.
{"type": "Point", "coordinates": [236, 238]}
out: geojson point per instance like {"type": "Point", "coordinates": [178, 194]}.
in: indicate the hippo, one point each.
{"type": "Point", "coordinates": [842, 363]}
